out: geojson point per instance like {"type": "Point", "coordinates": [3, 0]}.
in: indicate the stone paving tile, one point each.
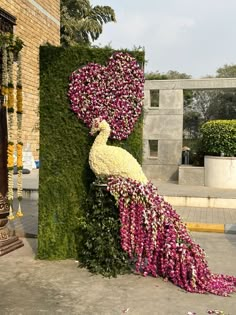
{"type": "Point", "coordinates": [28, 224]}
{"type": "Point", "coordinates": [207, 215]}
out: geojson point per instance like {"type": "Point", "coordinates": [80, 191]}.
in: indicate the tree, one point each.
{"type": "Point", "coordinates": [227, 71]}
{"type": "Point", "coordinates": [192, 120]}
{"type": "Point", "coordinates": [82, 23]}
{"type": "Point", "coordinates": [222, 103]}
{"type": "Point", "coordinates": [201, 102]}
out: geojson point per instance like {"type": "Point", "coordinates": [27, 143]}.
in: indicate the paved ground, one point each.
{"type": "Point", "coordinates": [207, 215]}
{"type": "Point", "coordinates": [31, 287]}
{"type": "Point", "coordinates": [27, 226]}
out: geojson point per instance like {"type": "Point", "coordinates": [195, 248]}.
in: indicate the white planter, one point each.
{"type": "Point", "coordinates": [220, 172]}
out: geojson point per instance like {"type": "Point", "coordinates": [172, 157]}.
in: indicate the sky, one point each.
{"type": "Point", "coordinates": [191, 36]}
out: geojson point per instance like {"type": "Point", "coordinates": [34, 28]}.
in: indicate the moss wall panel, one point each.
{"type": "Point", "coordinates": [64, 174]}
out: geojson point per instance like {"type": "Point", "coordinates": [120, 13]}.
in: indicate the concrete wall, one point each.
{"type": "Point", "coordinates": [165, 124]}
{"type": "Point", "coordinates": [37, 23]}
{"type": "Point", "coordinates": [220, 172]}
{"type": "Point", "coordinates": [191, 175]}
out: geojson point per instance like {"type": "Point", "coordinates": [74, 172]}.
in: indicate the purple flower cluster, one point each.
{"type": "Point", "coordinates": [114, 93]}
{"type": "Point", "coordinates": [157, 240]}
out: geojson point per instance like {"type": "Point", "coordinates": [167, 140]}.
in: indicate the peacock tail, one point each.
{"type": "Point", "coordinates": [158, 242]}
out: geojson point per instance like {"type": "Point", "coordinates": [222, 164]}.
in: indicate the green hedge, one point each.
{"type": "Point", "coordinates": [64, 174]}
{"type": "Point", "coordinates": [218, 137]}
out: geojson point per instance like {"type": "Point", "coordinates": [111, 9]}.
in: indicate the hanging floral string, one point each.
{"type": "Point", "coordinates": [158, 242]}
{"type": "Point", "coordinates": [11, 46]}
{"type": "Point", "coordinates": [19, 105]}
{"type": "Point", "coordinates": [10, 116]}
{"type": "Point", "coordinates": [4, 87]}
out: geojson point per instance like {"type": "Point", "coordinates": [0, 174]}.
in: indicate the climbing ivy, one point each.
{"type": "Point", "coordinates": [99, 246]}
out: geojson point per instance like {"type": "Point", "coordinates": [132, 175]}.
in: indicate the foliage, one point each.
{"type": "Point", "coordinates": [12, 42]}
{"type": "Point", "coordinates": [219, 137]}
{"type": "Point", "coordinates": [223, 105]}
{"type": "Point", "coordinates": [113, 93]}
{"type": "Point", "coordinates": [217, 104]}
{"type": "Point", "coordinates": [227, 71]}
{"type": "Point", "coordinates": [169, 75]}
{"type": "Point", "coordinates": [201, 102]}
{"type": "Point", "coordinates": [155, 76]}
{"type": "Point", "coordinates": [99, 247]}
{"type": "Point", "coordinates": [64, 174]}
{"type": "Point", "coordinates": [191, 122]}
{"type": "Point", "coordinates": [82, 23]}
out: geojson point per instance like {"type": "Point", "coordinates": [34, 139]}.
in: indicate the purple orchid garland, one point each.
{"type": "Point", "coordinates": [154, 236]}
{"type": "Point", "coordinates": [114, 93]}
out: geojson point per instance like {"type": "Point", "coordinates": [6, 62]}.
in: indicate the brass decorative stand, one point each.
{"type": "Point", "coordinates": [8, 243]}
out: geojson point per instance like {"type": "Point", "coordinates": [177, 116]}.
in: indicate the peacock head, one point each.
{"type": "Point", "coordinates": [99, 124]}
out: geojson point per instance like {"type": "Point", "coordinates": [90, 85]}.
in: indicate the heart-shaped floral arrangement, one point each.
{"type": "Point", "coordinates": [113, 93]}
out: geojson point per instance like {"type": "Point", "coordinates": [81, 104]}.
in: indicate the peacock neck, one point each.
{"type": "Point", "coordinates": [102, 137]}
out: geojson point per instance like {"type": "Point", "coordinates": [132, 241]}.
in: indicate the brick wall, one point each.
{"type": "Point", "coordinates": [37, 23]}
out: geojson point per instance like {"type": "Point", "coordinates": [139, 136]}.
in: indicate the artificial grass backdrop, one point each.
{"type": "Point", "coordinates": [65, 176]}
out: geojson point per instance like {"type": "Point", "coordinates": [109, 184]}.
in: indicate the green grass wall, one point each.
{"type": "Point", "coordinates": [65, 176]}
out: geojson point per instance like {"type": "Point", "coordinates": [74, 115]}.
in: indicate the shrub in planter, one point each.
{"type": "Point", "coordinates": [218, 137]}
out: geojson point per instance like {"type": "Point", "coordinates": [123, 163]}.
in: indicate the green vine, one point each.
{"type": "Point", "coordinates": [12, 42]}
{"type": "Point", "coordinates": [99, 247]}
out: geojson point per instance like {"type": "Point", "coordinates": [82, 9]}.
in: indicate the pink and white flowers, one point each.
{"type": "Point", "coordinates": [114, 93]}
{"type": "Point", "coordinates": [157, 240]}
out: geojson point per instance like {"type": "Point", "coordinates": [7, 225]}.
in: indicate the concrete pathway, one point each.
{"type": "Point", "coordinates": [30, 286]}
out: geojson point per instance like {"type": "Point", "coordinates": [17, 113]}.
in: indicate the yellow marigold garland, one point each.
{"type": "Point", "coordinates": [19, 155]}
{"type": "Point", "coordinates": [10, 104]}
{"type": "Point", "coordinates": [10, 157]}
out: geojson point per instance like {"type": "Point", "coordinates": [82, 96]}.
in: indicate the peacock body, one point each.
{"type": "Point", "coordinates": [106, 160]}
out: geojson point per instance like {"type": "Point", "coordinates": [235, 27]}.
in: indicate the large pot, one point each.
{"type": "Point", "coordinates": [220, 172]}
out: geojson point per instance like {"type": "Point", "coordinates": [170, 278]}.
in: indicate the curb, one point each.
{"type": "Point", "coordinates": [202, 202]}
{"type": "Point", "coordinates": [212, 228]}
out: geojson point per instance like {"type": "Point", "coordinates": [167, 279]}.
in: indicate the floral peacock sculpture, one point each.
{"type": "Point", "coordinates": [152, 233]}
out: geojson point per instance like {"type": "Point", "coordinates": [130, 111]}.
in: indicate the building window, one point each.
{"type": "Point", "coordinates": [7, 21]}
{"type": "Point", "coordinates": [153, 148]}
{"type": "Point", "coordinates": [154, 96]}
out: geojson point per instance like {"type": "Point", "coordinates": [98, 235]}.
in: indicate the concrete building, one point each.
{"type": "Point", "coordinates": [163, 127]}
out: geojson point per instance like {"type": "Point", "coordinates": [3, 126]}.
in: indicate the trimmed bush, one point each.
{"type": "Point", "coordinates": [219, 137]}
{"type": "Point", "coordinates": [64, 175]}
